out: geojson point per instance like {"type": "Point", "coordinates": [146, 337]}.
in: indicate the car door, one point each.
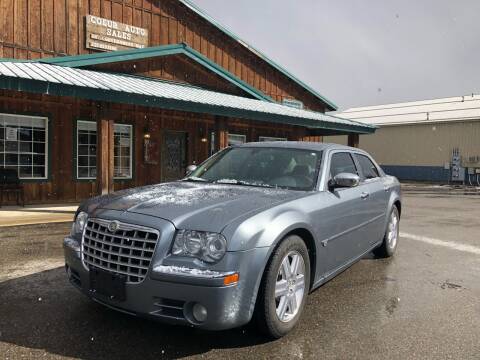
{"type": "Point", "coordinates": [373, 186]}
{"type": "Point", "coordinates": [343, 215]}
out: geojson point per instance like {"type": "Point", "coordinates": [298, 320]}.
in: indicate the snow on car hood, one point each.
{"type": "Point", "coordinates": [197, 206]}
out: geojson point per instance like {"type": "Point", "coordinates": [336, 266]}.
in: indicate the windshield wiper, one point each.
{"type": "Point", "coordinates": [194, 179]}
{"type": "Point", "coordinates": [240, 182]}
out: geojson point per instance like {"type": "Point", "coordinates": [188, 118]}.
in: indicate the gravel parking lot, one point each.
{"type": "Point", "coordinates": [423, 303]}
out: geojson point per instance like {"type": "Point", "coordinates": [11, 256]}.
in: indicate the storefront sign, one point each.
{"type": "Point", "coordinates": [297, 104]}
{"type": "Point", "coordinates": [109, 35]}
{"type": "Point", "coordinates": [11, 134]}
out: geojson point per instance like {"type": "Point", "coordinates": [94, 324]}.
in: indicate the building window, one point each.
{"type": "Point", "coordinates": [236, 139]}
{"type": "Point", "coordinates": [122, 152]}
{"type": "Point", "coordinates": [24, 145]}
{"type": "Point", "coordinates": [268, 138]}
{"type": "Point", "coordinates": [87, 150]}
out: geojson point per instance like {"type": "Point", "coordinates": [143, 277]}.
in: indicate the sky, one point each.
{"type": "Point", "coordinates": [364, 52]}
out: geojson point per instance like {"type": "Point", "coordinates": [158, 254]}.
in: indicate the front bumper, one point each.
{"type": "Point", "coordinates": [170, 296]}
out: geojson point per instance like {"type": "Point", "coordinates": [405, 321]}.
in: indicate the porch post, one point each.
{"type": "Point", "coordinates": [105, 156]}
{"type": "Point", "coordinates": [221, 133]}
{"type": "Point", "coordinates": [353, 140]}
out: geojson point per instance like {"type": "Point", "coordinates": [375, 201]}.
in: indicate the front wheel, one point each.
{"type": "Point", "coordinates": [284, 288]}
{"type": "Point", "coordinates": [390, 240]}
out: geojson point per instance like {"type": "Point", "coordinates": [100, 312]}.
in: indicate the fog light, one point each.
{"type": "Point", "coordinates": [199, 312]}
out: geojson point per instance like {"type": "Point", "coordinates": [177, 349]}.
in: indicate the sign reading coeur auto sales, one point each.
{"type": "Point", "coordinates": [109, 35]}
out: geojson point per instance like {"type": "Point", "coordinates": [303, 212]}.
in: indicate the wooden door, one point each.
{"type": "Point", "coordinates": [174, 155]}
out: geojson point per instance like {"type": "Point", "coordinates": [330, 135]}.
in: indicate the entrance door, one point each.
{"type": "Point", "coordinates": [174, 155]}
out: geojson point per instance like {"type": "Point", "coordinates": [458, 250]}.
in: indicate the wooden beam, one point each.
{"type": "Point", "coordinates": [105, 156]}
{"type": "Point", "coordinates": [221, 133]}
{"type": "Point", "coordinates": [353, 140]}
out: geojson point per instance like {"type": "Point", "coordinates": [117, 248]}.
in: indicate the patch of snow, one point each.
{"type": "Point", "coordinates": [226, 181]}
{"type": "Point", "coordinates": [181, 270]}
{"type": "Point", "coordinates": [186, 194]}
{"type": "Point", "coordinates": [25, 268]}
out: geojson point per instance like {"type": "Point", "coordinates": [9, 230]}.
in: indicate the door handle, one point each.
{"type": "Point", "coordinates": [365, 195]}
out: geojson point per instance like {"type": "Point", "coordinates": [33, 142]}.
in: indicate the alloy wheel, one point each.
{"type": "Point", "coordinates": [290, 286]}
{"type": "Point", "coordinates": [392, 236]}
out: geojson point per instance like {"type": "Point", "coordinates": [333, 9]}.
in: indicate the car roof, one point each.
{"type": "Point", "coordinates": [304, 145]}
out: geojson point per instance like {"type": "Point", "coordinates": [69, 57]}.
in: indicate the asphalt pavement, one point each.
{"type": "Point", "coordinates": [422, 304]}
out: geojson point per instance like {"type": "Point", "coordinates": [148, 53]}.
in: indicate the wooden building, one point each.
{"type": "Point", "coordinates": [100, 95]}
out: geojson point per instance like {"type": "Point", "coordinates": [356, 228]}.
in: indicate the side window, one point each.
{"type": "Point", "coordinates": [342, 163]}
{"type": "Point", "coordinates": [369, 170]}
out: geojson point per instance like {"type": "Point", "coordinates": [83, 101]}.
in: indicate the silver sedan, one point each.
{"type": "Point", "coordinates": [247, 234]}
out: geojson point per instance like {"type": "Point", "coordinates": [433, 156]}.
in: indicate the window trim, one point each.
{"type": "Point", "coordinates": [47, 146]}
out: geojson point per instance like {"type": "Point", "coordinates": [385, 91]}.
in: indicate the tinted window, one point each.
{"type": "Point", "coordinates": [369, 170]}
{"type": "Point", "coordinates": [342, 163]}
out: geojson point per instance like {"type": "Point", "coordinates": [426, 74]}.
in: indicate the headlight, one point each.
{"type": "Point", "coordinates": [80, 222]}
{"type": "Point", "coordinates": [206, 246]}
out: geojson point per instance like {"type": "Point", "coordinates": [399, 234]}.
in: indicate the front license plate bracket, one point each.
{"type": "Point", "coordinates": [107, 284]}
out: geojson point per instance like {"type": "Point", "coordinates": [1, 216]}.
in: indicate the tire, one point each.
{"type": "Point", "coordinates": [275, 280]}
{"type": "Point", "coordinates": [390, 239]}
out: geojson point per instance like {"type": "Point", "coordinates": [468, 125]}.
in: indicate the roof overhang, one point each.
{"type": "Point", "coordinates": [90, 60]}
{"type": "Point", "coordinates": [135, 90]}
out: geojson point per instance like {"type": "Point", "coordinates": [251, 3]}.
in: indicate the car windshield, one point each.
{"type": "Point", "coordinates": [295, 169]}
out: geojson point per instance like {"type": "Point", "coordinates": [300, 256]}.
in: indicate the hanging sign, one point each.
{"type": "Point", "coordinates": [108, 35]}
{"type": "Point", "coordinates": [297, 104]}
{"type": "Point", "coordinates": [11, 134]}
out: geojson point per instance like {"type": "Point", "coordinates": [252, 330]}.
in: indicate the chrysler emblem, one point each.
{"type": "Point", "coordinates": [113, 226]}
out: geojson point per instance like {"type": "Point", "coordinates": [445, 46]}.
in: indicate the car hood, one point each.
{"type": "Point", "coordinates": [197, 206]}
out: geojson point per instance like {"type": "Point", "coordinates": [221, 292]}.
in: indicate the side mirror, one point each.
{"type": "Point", "coordinates": [191, 168]}
{"type": "Point", "coordinates": [344, 180]}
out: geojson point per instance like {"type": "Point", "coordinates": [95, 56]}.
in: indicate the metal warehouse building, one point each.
{"type": "Point", "coordinates": [99, 95]}
{"type": "Point", "coordinates": [433, 140]}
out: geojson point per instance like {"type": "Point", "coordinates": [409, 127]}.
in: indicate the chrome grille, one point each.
{"type": "Point", "coordinates": [128, 250]}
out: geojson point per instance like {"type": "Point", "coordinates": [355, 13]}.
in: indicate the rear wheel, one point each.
{"type": "Point", "coordinates": [284, 288]}
{"type": "Point", "coordinates": [390, 240]}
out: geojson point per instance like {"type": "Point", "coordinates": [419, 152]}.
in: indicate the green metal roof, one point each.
{"type": "Point", "coordinates": [204, 15]}
{"type": "Point", "coordinates": [57, 80]}
{"type": "Point", "coordinates": [155, 51]}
